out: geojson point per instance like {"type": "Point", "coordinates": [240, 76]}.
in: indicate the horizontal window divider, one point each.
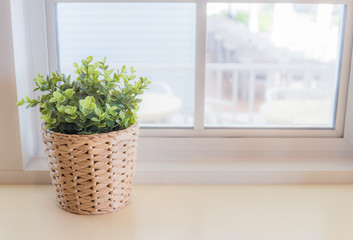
{"type": "Point", "coordinates": [239, 133]}
{"type": "Point", "coordinates": [234, 145]}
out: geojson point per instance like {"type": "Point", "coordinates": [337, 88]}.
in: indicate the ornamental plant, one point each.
{"type": "Point", "coordinates": [98, 101]}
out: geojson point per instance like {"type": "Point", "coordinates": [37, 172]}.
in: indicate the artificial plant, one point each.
{"type": "Point", "coordinates": [97, 101]}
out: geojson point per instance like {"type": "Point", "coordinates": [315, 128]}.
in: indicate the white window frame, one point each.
{"type": "Point", "coordinates": [202, 155]}
{"type": "Point", "coordinates": [199, 130]}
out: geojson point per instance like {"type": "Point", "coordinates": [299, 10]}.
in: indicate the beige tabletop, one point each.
{"type": "Point", "coordinates": [165, 212]}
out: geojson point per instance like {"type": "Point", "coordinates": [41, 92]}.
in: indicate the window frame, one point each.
{"type": "Point", "coordinates": [189, 149]}
{"type": "Point", "coordinates": [198, 129]}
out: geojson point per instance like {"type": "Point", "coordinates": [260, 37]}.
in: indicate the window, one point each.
{"type": "Point", "coordinates": [241, 81]}
{"type": "Point", "coordinates": [158, 39]}
{"type": "Point", "coordinates": [273, 65]}
{"type": "Point", "coordinates": [264, 65]}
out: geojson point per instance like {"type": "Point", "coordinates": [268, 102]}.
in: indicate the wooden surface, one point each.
{"type": "Point", "coordinates": [167, 212]}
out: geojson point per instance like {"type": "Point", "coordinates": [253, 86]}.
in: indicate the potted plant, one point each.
{"type": "Point", "coordinates": [90, 134]}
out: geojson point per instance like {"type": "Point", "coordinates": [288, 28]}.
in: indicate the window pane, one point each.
{"type": "Point", "coordinates": [272, 65]}
{"type": "Point", "coordinates": [156, 38]}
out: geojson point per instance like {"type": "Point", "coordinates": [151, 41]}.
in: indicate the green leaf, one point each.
{"type": "Point", "coordinates": [86, 111]}
{"type": "Point", "coordinates": [122, 114]}
{"type": "Point", "coordinates": [40, 80]}
{"type": "Point", "coordinates": [61, 108]}
{"type": "Point", "coordinates": [20, 103]}
{"type": "Point", "coordinates": [56, 95]}
{"type": "Point", "coordinates": [110, 71]}
{"type": "Point", "coordinates": [68, 93]}
{"type": "Point", "coordinates": [52, 100]}
{"type": "Point", "coordinates": [89, 59]}
{"type": "Point", "coordinates": [98, 111]}
{"type": "Point", "coordinates": [70, 109]}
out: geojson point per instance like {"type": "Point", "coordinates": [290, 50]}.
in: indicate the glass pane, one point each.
{"type": "Point", "coordinates": [156, 38]}
{"type": "Point", "coordinates": [272, 65]}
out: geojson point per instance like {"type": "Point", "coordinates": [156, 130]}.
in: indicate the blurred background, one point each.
{"type": "Point", "coordinates": [272, 64]}
{"type": "Point", "coordinates": [268, 65]}
{"type": "Point", "coordinates": [158, 39]}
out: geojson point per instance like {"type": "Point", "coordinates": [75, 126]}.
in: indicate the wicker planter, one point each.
{"type": "Point", "coordinates": [92, 174]}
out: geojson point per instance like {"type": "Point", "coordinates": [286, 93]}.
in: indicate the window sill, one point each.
{"type": "Point", "coordinates": [254, 168]}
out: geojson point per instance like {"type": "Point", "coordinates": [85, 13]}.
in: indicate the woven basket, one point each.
{"type": "Point", "coordinates": [92, 174]}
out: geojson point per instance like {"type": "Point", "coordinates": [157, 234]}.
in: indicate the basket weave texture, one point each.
{"type": "Point", "coordinates": [92, 174]}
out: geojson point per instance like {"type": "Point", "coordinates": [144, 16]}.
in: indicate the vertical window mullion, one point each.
{"type": "Point", "coordinates": [51, 35]}
{"type": "Point", "coordinates": [344, 71]}
{"type": "Point", "coordinates": [199, 102]}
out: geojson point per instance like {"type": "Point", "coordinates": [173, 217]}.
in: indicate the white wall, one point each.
{"type": "Point", "coordinates": [10, 147]}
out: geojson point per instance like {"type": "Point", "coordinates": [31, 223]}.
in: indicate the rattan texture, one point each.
{"type": "Point", "coordinates": [92, 174]}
